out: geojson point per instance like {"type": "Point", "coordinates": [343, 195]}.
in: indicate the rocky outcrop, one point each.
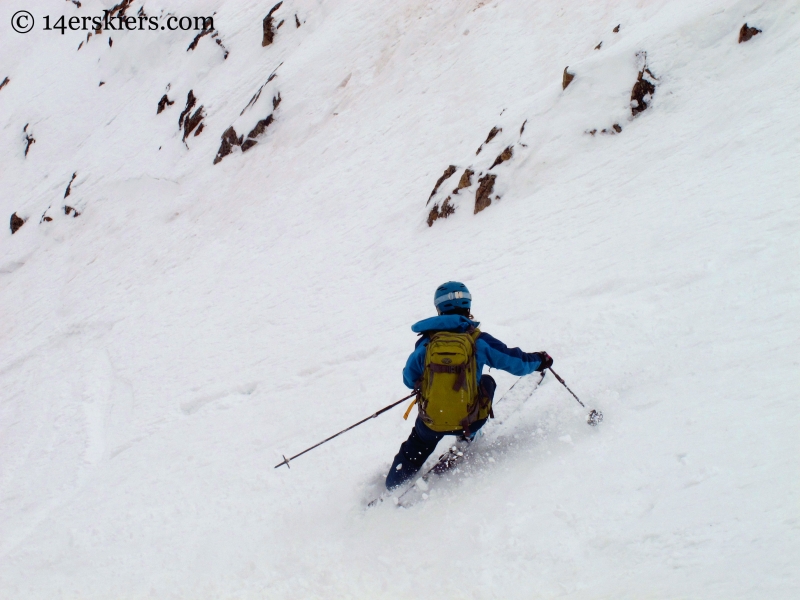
{"type": "Point", "coordinates": [195, 121]}
{"type": "Point", "coordinates": [489, 138]}
{"type": "Point", "coordinates": [29, 140]}
{"type": "Point", "coordinates": [68, 191]}
{"type": "Point", "coordinates": [448, 172]}
{"type": "Point", "coordinates": [465, 181]}
{"type": "Point", "coordinates": [440, 213]}
{"type": "Point", "coordinates": [642, 92]}
{"type": "Point", "coordinates": [483, 197]}
{"type": "Point", "coordinates": [229, 140]}
{"type": "Point", "coordinates": [269, 26]}
{"type": "Point", "coordinates": [746, 33]}
{"type": "Point", "coordinates": [16, 223]}
{"type": "Point", "coordinates": [566, 78]}
{"type": "Point", "coordinates": [164, 103]}
{"type": "Point", "coordinates": [503, 157]}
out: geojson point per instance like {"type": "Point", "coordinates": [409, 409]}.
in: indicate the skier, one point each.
{"type": "Point", "coordinates": [453, 397]}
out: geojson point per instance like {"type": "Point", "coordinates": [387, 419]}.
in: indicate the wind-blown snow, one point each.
{"type": "Point", "coordinates": [161, 351]}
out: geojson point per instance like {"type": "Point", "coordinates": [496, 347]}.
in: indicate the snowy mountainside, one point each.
{"type": "Point", "coordinates": [186, 323]}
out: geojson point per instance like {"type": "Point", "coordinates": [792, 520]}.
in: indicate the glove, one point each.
{"type": "Point", "coordinates": [547, 361]}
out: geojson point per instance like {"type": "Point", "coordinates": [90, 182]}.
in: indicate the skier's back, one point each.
{"type": "Point", "coordinates": [454, 398]}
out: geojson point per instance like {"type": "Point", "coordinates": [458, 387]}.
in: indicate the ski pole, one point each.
{"type": "Point", "coordinates": [381, 411]}
{"type": "Point", "coordinates": [595, 416]}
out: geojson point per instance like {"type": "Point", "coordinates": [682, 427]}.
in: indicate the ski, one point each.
{"type": "Point", "coordinates": [512, 401]}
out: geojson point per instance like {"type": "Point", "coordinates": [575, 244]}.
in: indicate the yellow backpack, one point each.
{"type": "Point", "coordinates": [449, 398]}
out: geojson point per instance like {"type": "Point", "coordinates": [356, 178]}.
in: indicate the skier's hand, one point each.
{"type": "Point", "coordinates": [547, 361]}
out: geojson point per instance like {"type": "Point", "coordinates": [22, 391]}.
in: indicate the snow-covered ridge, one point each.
{"type": "Point", "coordinates": [174, 323]}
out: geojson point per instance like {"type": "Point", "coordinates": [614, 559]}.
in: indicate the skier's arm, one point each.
{"type": "Point", "coordinates": [414, 367]}
{"type": "Point", "coordinates": [499, 356]}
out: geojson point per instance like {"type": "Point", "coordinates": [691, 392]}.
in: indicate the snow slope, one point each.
{"type": "Point", "coordinates": [161, 351]}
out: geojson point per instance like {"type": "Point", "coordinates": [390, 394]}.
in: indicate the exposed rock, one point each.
{"type": "Point", "coordinates": [191, 122]}
{"type": "Point", "coordinates": [199, 129]}
{"type": "Point", "coordinates": [746, 33]}
{"type": "Point", "coordinates": [16, 223]}
{"type": "Point", "coordinates": [616, 29]}
{"type": "Point", "coordinates": [5, 83]}
{"type": "Point", "coordinates": [69, 209]}
{"type": "Point", "coordinates": [269, 31]}
{"type": "Point", "coordinates": [600, 45]}
{"type": "Point", "coordinates": [260, 127]}
{"type": "Point", "coordinates": [257, 95]}
{"type": "Point", "coordinates": [522, 129]}
{"type": "Point", "coordinates": [229, 140]}
{"type": "Point", "coordinates": [296, 22]}
{"type": "Point", "coordinates": [164, 103]}
{"type": "Point", "coordinates": [102, 83]}
{"type": "Point", "coordinates": [483, 197]}
{"type": "Point", "coordinates": [190, 102]}
{"type": "Point", "coordinates": [118, 10]}
{"type": "Point", "coordinates": [437, 213]}
{"type": "Point", "coordinates": [642, 91]}
{"type": "Point", "coordinates": [614, 129]}
{"type": "Point", "coordinates": [110, 42]}
{"type": "Point", "coordinates": [276, 100]}
{"type": "Point", "coordinates": [465, 181]}
{"type": "Point", "coordinates": [448, 172]}
{"type": "Point", "coordinates": [504, 156]}
{"type": "Point", "coordinates": [221, 45]}
{"type": "Point", "coordinates": [46, 219]}
{"type": "Point", "coordinates": [489, 138]}
{"type": "Point", "coordinates": [29, 140]}
{"type": "Point", "coordinates": [196, 39]}
{"type": "Point", "coordinates": [68, 191]}
{"type": "Point", "coordinates": [567, 78]}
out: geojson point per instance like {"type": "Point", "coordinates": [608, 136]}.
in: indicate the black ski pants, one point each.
{"type": "Point", "coordinates": [423, 440]}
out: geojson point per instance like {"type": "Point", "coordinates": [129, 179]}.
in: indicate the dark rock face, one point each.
{"type": "Point", "coordinates": [4, 83]}
{"type": "Point", "coordinates": [642, 91]}
{"type": "Point", "coordinates": [746, 33]}
{"type": "Point", "coordinates": [16, 223]}
{"type": "Point", "coordinates": [483, 197]}
{"type": "Point", "coordinates": [29, 139]}
{"type": "Point", "coordinates": [229, 140]}
{"type": "Point", "coordinates": [567, 78]}
{"type": "Point", "coordinates": [69, 185]}
{"type": "Point", "coordinates": [260, 127]}
{"type": "Point", "coordinates": [189, 123]}
{"type": "Point", "coordinates": [504, 156]}
{"type": "Point", "coordinates": [492, 134]}
{"type": "Point", "coordinates": [164, 103]}
{"type": "Point", "coordinates": [190, 102]}
{"type": "Point", "coordinates": [269, 28]}
{"type": "Point", "coordinates": [437, 213]}
{"type": "Point", "coordinates": [448, 172]}
{"type": "Point", "coordinates": [465, 181]}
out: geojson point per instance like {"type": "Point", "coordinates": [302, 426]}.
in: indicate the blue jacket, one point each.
{"type": "Point", "coordinates": [489, 351]}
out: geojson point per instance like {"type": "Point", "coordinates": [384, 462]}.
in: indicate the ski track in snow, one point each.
{"type": "Point", "coordinates": [163, 349]}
